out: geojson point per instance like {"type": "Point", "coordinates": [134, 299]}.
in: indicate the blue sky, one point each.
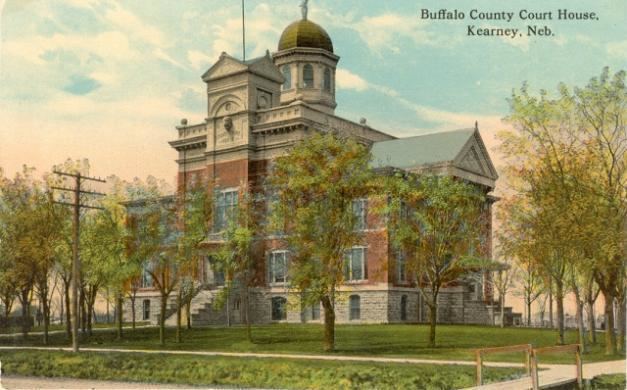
{"type": "Point", "coordinates": [109, 80]}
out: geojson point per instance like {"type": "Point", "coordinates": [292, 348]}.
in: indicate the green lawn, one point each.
{"type": "Point", "coordinates": [243, 372]}
{"type": "Point", "coordinates": [454, 341]}
{"type": "Point", "coordinates": [609, 382]}
{"type": "Point", "coordinates": [57, 327]}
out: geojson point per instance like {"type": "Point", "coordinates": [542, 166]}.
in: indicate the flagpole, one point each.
{"type": "Point", "coordinates": [243, 35]}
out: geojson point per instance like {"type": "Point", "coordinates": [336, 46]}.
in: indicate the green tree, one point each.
{"type": "Point", "coordinates": [315, 185]}
{"type": "Point", "coordinates": [568, 155]}
{"type": "Point", "coordinates": [18, 218]}
{"type": "Point", "coordinates": [194, 210]}
{"type": "Point", "coordinates": [233, 257]}
{"type": "Point", "coordinates": [152, 238]}
{"type": "Point", "coordinates": [439, 223]}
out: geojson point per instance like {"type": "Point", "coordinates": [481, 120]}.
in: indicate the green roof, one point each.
{"type": "Point", "coordinates": [305, 33]}
{"type": "Point", "coordinates": [420, 150]}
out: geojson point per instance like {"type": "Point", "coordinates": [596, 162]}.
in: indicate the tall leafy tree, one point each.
{"type": "Point", "coordinates": [568, 155]}
{"type": "Point", "coordinates": [315, 185]}
{"type": "Point", "coordinates": [151, 223]}
{"type": "Point", "coordinates": [234, 258]}
{"type": "Point", "coordinates": [440, 224]}
{"type": "Point", "coordinates": [194, 210]}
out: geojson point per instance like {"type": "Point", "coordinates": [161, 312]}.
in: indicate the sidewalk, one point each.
{"type": "Point", "coordinates": [281, 356]}
{"type": "Point", "coordinates": [550, 374]}
{"type": "Point", "coordinates": [24, 382]}
{"type": "Point", "coordinates": [555, 375]}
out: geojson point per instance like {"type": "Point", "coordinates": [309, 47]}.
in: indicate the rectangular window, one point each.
{"type": "Point", "coordinates": [401, 266]}
{"type": "Point", "coordinates": [360, 209]}
{"type": "Point", "coordinates": [315, 312]}
{"type": "Point", "coordinates": [278, 267]}
{"type": "Point", "coordinates": [279, 309]}
{"type": "Point", "coordinates": [356, 266]}
{"type": "Point", "coordinates": [354, 308]}
{"type": "Point", "coordinates": [272, 202]}
{"type": "Point", "coordinates": [213, 274]}
{"type": "Point", "coordinates": [146, 278]}
{"type": "Point", "coordinates": [146, 309]}
{"type": "Point", "coordinates": [226, 209]}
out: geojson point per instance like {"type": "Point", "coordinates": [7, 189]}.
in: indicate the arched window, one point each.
{"type": "Point", "coordinates": [308, 76]}
{"type": "Point", "coordinates": [404, 308]}
{"type": "Point", "coordinates": [279, 306]}
{"type": "Point", "coordinates": [354, 306]}
{"type": "Point", "coordinates": [327, 80]}
{"type": "Point", "coordinates": [287, 75]}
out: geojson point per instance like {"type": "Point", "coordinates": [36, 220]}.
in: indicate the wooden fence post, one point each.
{"type": "Point", "coordinates": [479, 368]}
{"type": "Point", "coordinates": [579, 366]}
{"type": "Point", "coordinates": [534, 371]}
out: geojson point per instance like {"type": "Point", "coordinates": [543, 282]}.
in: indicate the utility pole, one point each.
{"type": "Point", "coordinates": [76, 265]}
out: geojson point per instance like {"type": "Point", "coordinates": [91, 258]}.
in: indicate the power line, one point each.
{"type": "Point", "coordinates": [77, 206]}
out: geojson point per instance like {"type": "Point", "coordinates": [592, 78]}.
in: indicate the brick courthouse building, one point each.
{"type": "Point", "coordinates": [258, 108]}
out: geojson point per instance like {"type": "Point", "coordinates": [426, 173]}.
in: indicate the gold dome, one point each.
{"type": "Point", "coordinates": [304, 33]}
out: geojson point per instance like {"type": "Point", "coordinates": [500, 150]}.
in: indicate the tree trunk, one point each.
{"type": "Point", "coordinates": [249, 333]}
{"type": "Point", "coordinates": [559, 300]}
{"type": "Point", "coordinates": [528, 313]}
{"type": "Point", "coordinates": [179, 308]}
{"type": "Point", "coordinates": [25, 302]}
{"type": "Point", "coordinates": [433, 320]}
{"type": "Point", "coordinates": [502, 302]}
{"type": "Point", "coordinates": [133, 297]}
{"type": "Point", "coordinates": [329, 324]}
{"type": "Point", "coordinates": [592, 336]}
{"type": "Point", "coordinates": [551, 325]}
{"type": "Point", "coordinates": [622, 322]}
{"type": "Point", "coordinates": [46, 313]}
{"type": "Point", "coordinates": [81, 303]}
{"type": "Point", "coordinates": [120, 314]}
{"type": "Point", "coordinates": [610, 336]}
{"type": "Point", "coordinates": [68, 314]}
{"type": "Point", "coordinates": [580, 324]}
{"type": "Point", "coordinates": [164, 299]}
{"type": "Point", "coordinates": [188, 314]}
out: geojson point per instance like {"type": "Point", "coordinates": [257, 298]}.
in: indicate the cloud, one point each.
{"type": "Point", "coordinates": [198, 59]}
{"type": "Point", "coordinates": [443, 120]}
{"type": "Point", "coordinates": [617, 49]}
{"type": "Point", "coordinates": [389, 32]}
{"type": "Point", "coordinates": [124, 20]}
{"type": "Point", "coordinates": [345, 79]}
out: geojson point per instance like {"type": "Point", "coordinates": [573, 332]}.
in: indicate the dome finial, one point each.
{"type": "Point", "coordinates": [303, 8]}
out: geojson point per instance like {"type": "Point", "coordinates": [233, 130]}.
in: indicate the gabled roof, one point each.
{"type": "Point", "coordinates": [228, 65]}
{"type": "Point", "coordinates": [463, 149]}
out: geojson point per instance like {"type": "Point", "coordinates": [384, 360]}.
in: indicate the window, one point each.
{"type": "Point", "coordinates": [354, 307]}
{"type": "Point", "coordinates": [278, 267]}
{"type": "Point", "coordinates": [404, 308]}
{"type": "Point", "coordinates": [213, 274]}
{"type": "Point", "coordinates": [287, 75]}
{"type": "Point", "coordinates": [226, 207]}
{"type": "Point", "coordinates": [146, 281]}
{"type": "Point", "coordinates": [360, 209]}
{"type": "Point", "coordinates": [146, 309]}
{"type": "Point", "coordinates": [279, 306]}
{"type": "Point", "coordinates": [401, 266]}
{"type": "Point", "coordinates": [315, 312]}
{"type": "Point", "coordinates": [327, 80]}
{"type": "Point", "coordinates": [272, 202]}
{"type": "Point", "coordinates": [308, 76]}
{"type": "Point", "coordinates": [356, 267]}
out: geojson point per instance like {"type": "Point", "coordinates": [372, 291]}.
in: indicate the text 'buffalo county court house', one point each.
{"type": "Point", "coordinates": [256, 110]}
